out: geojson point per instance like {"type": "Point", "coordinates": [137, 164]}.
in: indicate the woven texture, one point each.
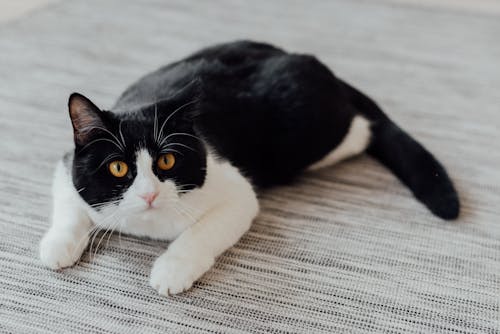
{"type": "Point", "coordinates": [347, 249]}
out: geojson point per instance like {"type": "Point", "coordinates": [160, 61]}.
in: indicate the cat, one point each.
{"type": "Point", "coordinates": [180, 155]}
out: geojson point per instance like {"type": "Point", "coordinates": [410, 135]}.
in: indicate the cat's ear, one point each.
{"type": "Point", "coordinates": [85, 116]}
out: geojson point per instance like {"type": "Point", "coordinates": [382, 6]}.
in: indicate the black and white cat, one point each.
{"type": "Point", "coordinates": [181, 153]}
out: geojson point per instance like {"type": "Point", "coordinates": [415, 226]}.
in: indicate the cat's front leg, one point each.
{"type": "Point", "coordinates": [195, 250]}
{"type": "Point", "coordinates": [68, 236]}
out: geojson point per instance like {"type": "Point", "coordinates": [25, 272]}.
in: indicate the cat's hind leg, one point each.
{"type": "Point", "coordinates": [355, 142]}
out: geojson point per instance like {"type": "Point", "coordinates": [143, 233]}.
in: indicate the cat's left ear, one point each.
{"type": "Point", "coordinates": [85, 116]}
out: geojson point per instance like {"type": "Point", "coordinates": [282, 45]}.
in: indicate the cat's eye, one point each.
{"type": "Point", "coordinates": [166, 161]}
{"type": "Point", "coordinates": [118, 168]}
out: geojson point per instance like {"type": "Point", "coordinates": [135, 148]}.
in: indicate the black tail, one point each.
{"type": "Point", "coordinates": [408, 160]}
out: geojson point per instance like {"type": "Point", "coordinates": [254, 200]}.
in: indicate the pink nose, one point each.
{"type": "Point", "coordinates": [149, 197]}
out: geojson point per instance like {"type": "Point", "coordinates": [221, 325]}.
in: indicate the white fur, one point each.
{"type": "Point", "coordinates": [204, 222]}
{"type": "Point", "coordinates": [66, 239]}
{"type": "Point", "coordinates": [355, 141]}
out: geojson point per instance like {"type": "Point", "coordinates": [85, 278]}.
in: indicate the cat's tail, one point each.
{"type": "Point", "coordinates": [408, 160]}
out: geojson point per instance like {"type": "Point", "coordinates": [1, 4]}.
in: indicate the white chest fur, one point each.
{"type": "Point", "coordinates": [204, 223]}
{"type": "Point", "coordinates": [175, 213]}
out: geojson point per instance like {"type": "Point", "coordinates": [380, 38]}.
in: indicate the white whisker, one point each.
{"type": "Point", "coordinates": [155, 124]}
{"type": "Point", "coordinates": [102, 204]}
{"type": "Point", "coordinates": [109, 132]}
{"type": "Point", "coordinates": [186, 185]}
{"type": "Point", "coordinates": [182, 145]}
{"type": "Point", "coordinates": [179, 134]}
{"type": "Point", "coordinates": [112, 216]}
{"type": "Point", "coordinates": [108, 158]}
{"type": "Point", "coordinates": [167, 150]}
{"type": "Point", "coordinates": [92, 229]}
{"type": "Point", "coordinates": [121, 134]}
{"type": "Point", "coordinates": [172, 114]}
{"type": "Point", "coordinates": [102, 139]}
{"type": "Point", "coordinates": [185, 214]}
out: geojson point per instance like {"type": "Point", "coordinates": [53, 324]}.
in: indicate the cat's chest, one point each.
{"type": "Point", "coordinates": [164, 224]}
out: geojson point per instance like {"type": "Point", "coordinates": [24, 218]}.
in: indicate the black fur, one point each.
{"type": "Point", "coordinates": [408, 160]}
{"type": "Point", "coordinates": [271, 114]}
{"type": "Point", "coordinates": [90, 166]}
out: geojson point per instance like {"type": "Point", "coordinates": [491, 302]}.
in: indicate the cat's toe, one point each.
{"type": "Point", "coordinates": [173, 275]}
{"type": "Point", "coordinates": [60, 250]}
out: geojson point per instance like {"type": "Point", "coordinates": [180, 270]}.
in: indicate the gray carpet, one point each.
{"type": "Point", "coordinates": [344, 250]}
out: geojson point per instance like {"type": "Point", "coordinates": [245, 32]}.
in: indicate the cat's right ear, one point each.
{"type": "Point", "coordinates": [85, 116]}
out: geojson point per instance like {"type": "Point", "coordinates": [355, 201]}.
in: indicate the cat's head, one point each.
{"type": "Point", "coordinates": [137, 160]}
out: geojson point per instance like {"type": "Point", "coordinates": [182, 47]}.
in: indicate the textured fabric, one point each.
{"type": "Point", "coordinates": [346, 249]}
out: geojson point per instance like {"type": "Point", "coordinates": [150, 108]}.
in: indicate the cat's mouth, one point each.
{"type": "Point", "coordinates": [149, 207]}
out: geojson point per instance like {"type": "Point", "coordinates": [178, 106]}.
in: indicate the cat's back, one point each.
{"type": "Point", "coordinates": [258, 105]}
{"type": "Point", "coordinates": [224, 61]}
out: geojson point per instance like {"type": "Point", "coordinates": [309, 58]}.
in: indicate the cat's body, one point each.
{"type": "Point", "coordinates": [181, 152]}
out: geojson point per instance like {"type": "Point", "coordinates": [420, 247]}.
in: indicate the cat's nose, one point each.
{"type": "Point", "coordinates": [149, 197]}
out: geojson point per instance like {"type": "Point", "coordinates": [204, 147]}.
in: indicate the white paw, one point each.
{"type": "Point", "coordinates": [60, 250]}
{"type": "Point", "coordinates": [172, 274]}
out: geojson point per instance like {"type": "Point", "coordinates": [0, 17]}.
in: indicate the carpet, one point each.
{"type": "Point", "coordinates": [343, 250]}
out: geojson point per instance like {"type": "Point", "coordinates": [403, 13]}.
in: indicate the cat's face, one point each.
{"type": "Point", "coordinates": [137, 161]}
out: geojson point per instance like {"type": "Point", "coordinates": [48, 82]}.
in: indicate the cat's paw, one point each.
{"type": "Point", "coordinates": [174, 274]}
{"type": "Point", "coordinates": [60, 250]}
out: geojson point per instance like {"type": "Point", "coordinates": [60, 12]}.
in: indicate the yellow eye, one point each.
{"type": "Point", "coordinates": [166, 161]}
{"type": "Point", "coordinates": [118, 168]}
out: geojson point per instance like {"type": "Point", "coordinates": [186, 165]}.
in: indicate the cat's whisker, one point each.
{"type": "Point", "coordinates": [105, 220]}
{"type": "Point", "coordinates": [102, 237]}
{"type": "Point", "coordinates": [110, 201]}
{"type": "Point", "coordinates": [191, 212]}
{"type": "Point", "coordinates": [100, 205]}
{"type": "Point", "coordinates": [186, 191]}
{"type": "Point", "coordinates": [120, 236]}
{"type": "Point", "coordinates": [179, 134]}
{"type": "Point", "coordinates": [200, 191]}
{"type": "Point", "coordinates": [116, 225]}
{"type": "Point", "coordinates": [188, 210]}
{"type": "Point", "coordinates": [108, 158]}
{"type": "Point", "coordinates": [93, 229]}
{"type": "Point", "coordinates": [102, 139]}
{"type": "Point", "coordinates": [92, 243]}
{"type": "Point", "coordinates": [119, 221]}
{"type": "Point", "coordinates": [155, 124]}
{"type": "Point", "coordinates": [186, 215]}
{"type": "Point", "coordinates": [113, 225]}
{"type": "Point", "coordinates": [187, 185]}
{"type": "Point", "coordinates": [182, 145]}
{"type": "Point", "coordinates": [107, 131]}
{"type": "Point", "coordinates": [172, 114]}
{"type": "Point", "coordinates": [101, 222]}
{"type": "Point", "coordinates": [168, 150]}
{"type": "Point", "coordinates": [121, 134]}
{"type": "Point", "coordinates": [81, 255]}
